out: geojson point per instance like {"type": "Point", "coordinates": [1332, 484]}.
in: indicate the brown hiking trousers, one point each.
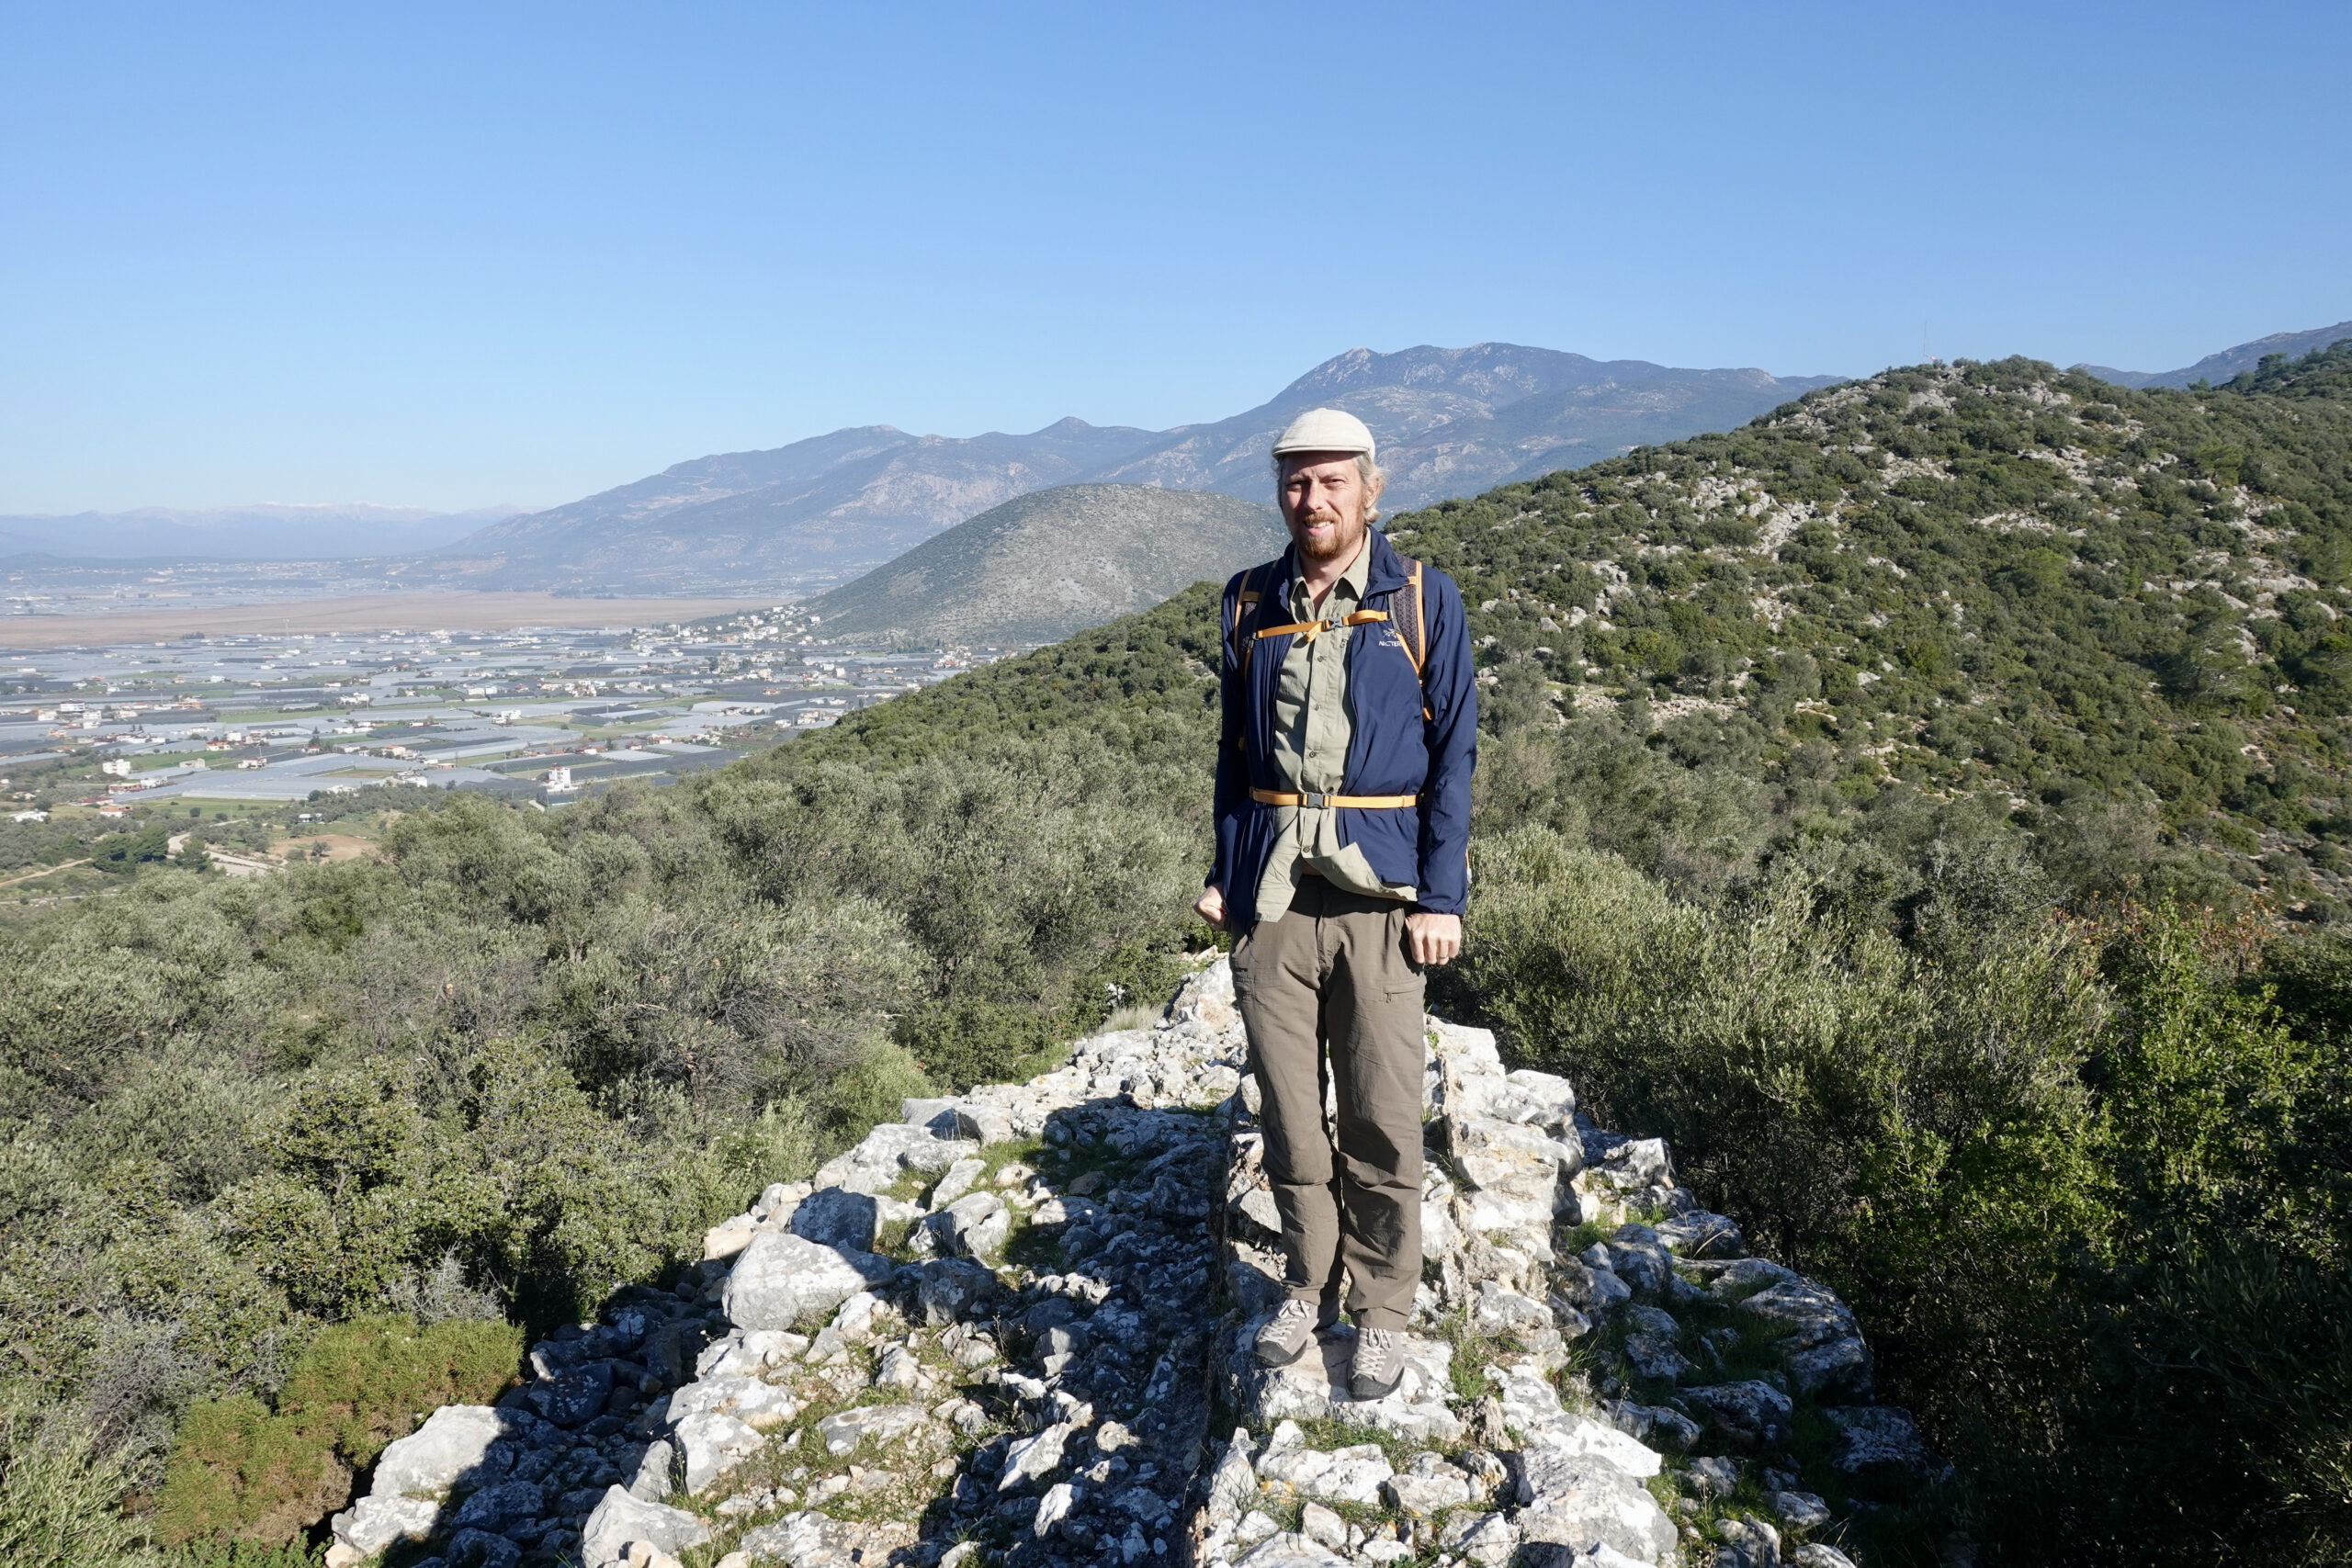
{"type": "Point", "coordinates": [1329, 995]}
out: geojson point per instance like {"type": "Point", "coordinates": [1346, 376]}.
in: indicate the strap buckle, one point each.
{"type": "Point", "coordinates": [1313, 802]}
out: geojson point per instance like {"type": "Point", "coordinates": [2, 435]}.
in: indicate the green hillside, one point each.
{"type": "Point", "coordinates": [1992, 581]}
{"type": "Point", "coordinates": [1048, 564]}
{"type": "Point", "coordinates": [1897, 803]}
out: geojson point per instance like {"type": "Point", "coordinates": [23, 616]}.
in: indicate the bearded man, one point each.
{"type": "Point", "coordinates": [1342, 830]}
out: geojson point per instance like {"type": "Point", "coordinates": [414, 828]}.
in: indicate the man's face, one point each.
{"type": "Point", "coordinates": [1323, 500]}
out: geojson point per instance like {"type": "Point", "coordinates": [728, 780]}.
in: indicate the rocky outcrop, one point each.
{"type": "Point", "coordinates": [1015, 1326]}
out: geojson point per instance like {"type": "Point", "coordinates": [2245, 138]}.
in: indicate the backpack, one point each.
{"type": "Point", "coordinates": [1406, 607]}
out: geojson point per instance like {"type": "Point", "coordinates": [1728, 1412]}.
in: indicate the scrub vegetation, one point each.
{"type": "Point", "coordinates": [1925, 807]}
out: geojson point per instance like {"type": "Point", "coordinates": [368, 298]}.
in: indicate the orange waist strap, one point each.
{"type": "Point", "coordinates": [1326, 802]}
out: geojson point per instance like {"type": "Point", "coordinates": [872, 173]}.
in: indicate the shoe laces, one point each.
{"type": "Point", "coordinates": [1292, 1307]}
{"type": "Point", "coordinates": [1381, 1342]}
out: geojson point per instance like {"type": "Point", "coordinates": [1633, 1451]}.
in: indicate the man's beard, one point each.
{"type": "Point", "coordinates": [1345, 538]}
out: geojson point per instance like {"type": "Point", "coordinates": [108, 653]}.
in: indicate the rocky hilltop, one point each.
{"type": "Point", "coordinates": [1053, 563]}
{"type": "Point", "coordinates": [1014, 1326]}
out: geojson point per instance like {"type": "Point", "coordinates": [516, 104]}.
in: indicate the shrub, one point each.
{"type": "Point", "coordinates": [61, 1495]}
{"type": "Point", "coordinates": [239, 1470]}
{"type": "Point", "coordinates": [2082, 1181]}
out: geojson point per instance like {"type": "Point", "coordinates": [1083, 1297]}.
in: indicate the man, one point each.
{"type": "Point", "coordinates": [1342, 827]}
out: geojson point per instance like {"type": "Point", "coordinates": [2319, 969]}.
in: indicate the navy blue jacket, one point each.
{"type": "Point", "coordinates": [1395, 751]}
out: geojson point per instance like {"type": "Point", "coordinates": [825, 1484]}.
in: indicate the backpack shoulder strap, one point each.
{"type": "Point", "coordinates": [1245, 600]}
{"type": "Point", "coordinates": [1409, 608]}
{"type": "Point", "coordinates": [1413, 625]}
{"type": "Point", "coordinates": [1243, 597]}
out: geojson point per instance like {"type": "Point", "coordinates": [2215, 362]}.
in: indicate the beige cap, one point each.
{"type": "Point", "coordinates": [1325, 429]}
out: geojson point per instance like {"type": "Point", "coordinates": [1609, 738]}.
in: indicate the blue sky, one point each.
{"type": "Point", "coordinates": [452, 256]}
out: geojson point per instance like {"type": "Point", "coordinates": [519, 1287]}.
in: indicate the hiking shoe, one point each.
{"type": "Point", "coordinates": [1379, 1364]}
{"type": "Point", "coordinates": [1287, 1334]}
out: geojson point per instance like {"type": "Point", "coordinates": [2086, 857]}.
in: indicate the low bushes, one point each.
{"type": "Point", "coordinates": [2082, 1179]}
{"type": "Point", "coordinates": [242, 1470]}
{"type": "Point", "coordinates": [61, 1495]}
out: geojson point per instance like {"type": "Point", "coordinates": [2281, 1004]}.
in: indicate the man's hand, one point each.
{"type": "Point", "coordinates": [1432, 939]}
{"type": "Point", "coordinates": [1210, 907]}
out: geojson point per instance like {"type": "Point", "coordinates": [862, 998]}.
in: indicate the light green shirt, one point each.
{"type": "Point", "coordinates": [1313, 726]}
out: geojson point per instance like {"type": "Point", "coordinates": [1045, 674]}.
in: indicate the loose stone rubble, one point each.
{"type": "Point", "coordinates": [1016, 1326]}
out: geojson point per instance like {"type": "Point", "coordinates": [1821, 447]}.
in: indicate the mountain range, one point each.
{"type": "Point", "coordinates": [805, 517]}
{"type": "Point", "coordinates": [1449, 420]}
{"type": "Point", "coordinates": [2220, 367]}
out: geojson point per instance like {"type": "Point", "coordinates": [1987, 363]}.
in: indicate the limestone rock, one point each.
{"type": "Point", "coordinates": [379, 1519]}
{"type": "Point", "coordinates": [480, 1549]}
{"type": "Point", "coordinates": [1635, 1255]}
{"type": "Point", "coordinates": [1750, 1416]}
{"type": "Point", "coordinates": [1352, 1475]}
{"type": "Point", "coordinates": [1596, 1290]}
{"type": "Point", "coordinates": [1717, 1476]}
{"type": "Point", "coordinates": [712, 1443]}
{"type": "Point", "coordinates": [1206, 998]}
{"type": "Point", "coordinates": [842, 1431]}
{"type": "Point", "coordinates": [472, 1443]}
{"type": "Point", "coordinates": [1233, 1483]}
{"type": "Point", "coordinates": [728, 1237]}
{"type": "Point", "coordinates": [954, 1288]}
{"type": "Point", "coordinates": [936, 1117]}
{"type": "Point", "coordinates": [1425, 1497]}
{"type": "Point", "coordinates": [1654, 1423]}
{"type": "Point", "coordinates": [1748, 1543]}
{"type": "Point", "coordinates": [959, 1180]}
{"type": "Point", "coordinates": [1813, 1554]}
{"type": "Point", "coordinates": [810, 1540]}
{"type": "Point", "coordinates": [746, 1351]}
{"type": "Point", "coordinates": [1489, 1539]}
{"type": "Point", "coordinates": [1503, 1314]}
{"type": "Point", "coordinates": [1699, 1233]}
{"type": "Point", "coordinates": [781, 1279]}
{"type": "Point", "coordinates": [751, 1400]}
{"type": "Point", "coordinates": [620, 1518]}
{"type": "Point", "coordinates": [986, 1125]}
{"type": "Point", "coordinates": [655, 1471]}
{"type": "Point", "coordinates": [1512, 1162]}
{"type": "Point", "coordinates": [974, 1225]}
{"type": "Point", "coordinates": [575, 1398]}
{"type": "Point", "coordinates": [1575, 1500]}
{"type": "Point", "coordinates": [1033, 1457]}
{"type": "Point", "coordinates": [1053, 1507]}
{"type": "Point", "coordinates": [836, 1217]}
{"type": "Point", "coordinates": [1822, 1339]}
{"type": "Point", "coordinates": [1292, 1552]}
{"type": "Point", "coordinates": [495, 1507]}
{"type": "Point", "coordinates": [889, 1152]}
{"type": "Point", "coordinates": [1748, 1276]}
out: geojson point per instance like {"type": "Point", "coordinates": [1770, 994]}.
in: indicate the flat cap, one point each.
{"type": "Point", "coordinates": [1325, 429]}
